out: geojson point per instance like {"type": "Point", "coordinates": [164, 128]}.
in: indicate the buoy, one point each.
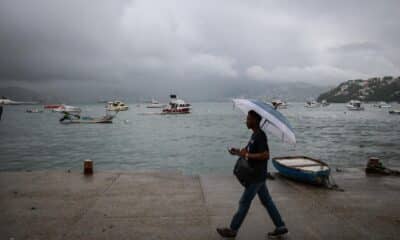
{"type": "Point", "coordinates": [88, 167]}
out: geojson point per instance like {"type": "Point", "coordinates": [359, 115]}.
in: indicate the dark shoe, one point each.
{"type": "Point", "coordinates": [226, 232]}
{"type": "Point", "coordinates": [278, 232]}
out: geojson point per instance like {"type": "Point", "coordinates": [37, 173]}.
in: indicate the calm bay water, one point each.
{"type": "Point", "coordinates": [194, 143]}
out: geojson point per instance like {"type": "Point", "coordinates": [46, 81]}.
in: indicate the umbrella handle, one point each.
{"type": "Point", "coordinates": [265, 121]}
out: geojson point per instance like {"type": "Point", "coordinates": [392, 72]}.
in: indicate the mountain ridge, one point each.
{"type": "Point", "coordinates": [373, 89]}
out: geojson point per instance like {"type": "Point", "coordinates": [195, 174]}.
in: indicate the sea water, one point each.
{"type": "Point", "coordinates": [192, 143]}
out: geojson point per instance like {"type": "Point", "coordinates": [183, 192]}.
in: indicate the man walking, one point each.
{"type": "Point", "coordinates": [257, 155]}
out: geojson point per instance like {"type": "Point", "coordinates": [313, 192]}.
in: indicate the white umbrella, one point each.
{"type": "Point", "coordinates": [272, 120]}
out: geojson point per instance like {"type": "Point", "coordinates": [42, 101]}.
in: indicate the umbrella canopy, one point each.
{"type": "Point", "coordinates": [273, 121]}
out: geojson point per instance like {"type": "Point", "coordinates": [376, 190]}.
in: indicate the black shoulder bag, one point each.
{"type": "Point", "coordinates": [243, 171]}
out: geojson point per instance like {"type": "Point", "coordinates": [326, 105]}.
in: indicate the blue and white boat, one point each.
{"type": "Point", "coordinates": [302, 169]}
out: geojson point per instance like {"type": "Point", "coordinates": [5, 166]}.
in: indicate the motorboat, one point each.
{"type": "Point", "coordinates": [311, 104]}
{"type": "Point", "coordinates": [355, 105]}
{"type": "Point", "coordinates": [116, 106]}
{"type": "Point", "coordinates": [177, 106]}
{"type": "Point", "coordinates": [302, 169]}
{"type": "Point", "coordinates": [71, 119]}
{"type": "Point", "coordinates": [67, 108]}
{"type": "Point", "coordinates": [382, 105]}
{"type": "Point", "coordinates": [51, 106]}
{"type": "Point", "coordinates": [155, 104]}
{"type": "Point", "coordinates": [394, 112]}
{"type": "Point", "coordinates": [325, 103]}
{"type": "Point", "coordinates": [279, 104]}
{"type": "Point", "coordinates": [6, 101]}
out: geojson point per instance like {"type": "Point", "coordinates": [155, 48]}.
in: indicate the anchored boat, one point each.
{"type": "Point", "coordinates": [177, 106]}
{"type": "Point", "coordinates": [311, 104]}
{"type": "Point", "coordinates": [116, 106]}
{"type": "Point", "coordinates": [155, 104]}
{"type": "Point", "coordinates": [279, 104]}
{"type": "Point", "coordinates": [69, 119]}
{"type": "Point", "coordinates": [302, 169]}
{"type": "Point", "coordinates": [382, 105]}
{"type": "Point", "coordinates": [355, 105]}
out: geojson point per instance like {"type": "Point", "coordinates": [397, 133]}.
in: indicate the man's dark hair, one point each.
{"type": "Point", "coordinates": [255, 115]}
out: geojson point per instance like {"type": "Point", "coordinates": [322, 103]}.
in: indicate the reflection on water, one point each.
{"type": "Point", "coordinates": [193, 143]}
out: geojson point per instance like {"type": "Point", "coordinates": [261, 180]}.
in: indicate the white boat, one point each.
{"type": "Point", "coordinates": [382, 105]}
{"type": "Point", "coordinates": [355, 105]}
{"type": "Point", "coordinates": [325, 103]}
{"type": "Point", "coordinates": [116, 106]}
{"type": "Point", "coordinates": [6, 101]}
{"type": "Point", "coordinates": [67, 108]}
{"type": "Point", "coordinates": [311, 104]}
{"type": "Point", "coordinates": [177, 106]}
{"type": "Point", "coordinates": [76, 119]}
{"type": "Point", "coordinates": [155, 104]}
{"type": "Point", "coordinates": [279, 104]}
{"type": "Point", "coordinates": [394, 112]}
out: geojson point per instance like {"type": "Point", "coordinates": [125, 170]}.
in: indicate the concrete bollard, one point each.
{"type": "Point", "coordinates": [88, 167]}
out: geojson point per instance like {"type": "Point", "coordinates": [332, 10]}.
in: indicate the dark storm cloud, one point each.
{"type": "Point", "coordinates": [151, 43]}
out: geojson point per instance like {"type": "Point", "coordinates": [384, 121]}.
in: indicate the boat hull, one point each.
{"type": "Point", "coordinates": [394, 112]}
{"type": "Point", "coordinates": [87, 122]}
{"type": "Point", "coordinates": [311, 177]}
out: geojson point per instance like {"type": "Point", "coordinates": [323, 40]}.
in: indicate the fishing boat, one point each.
{"type": "Point", "coordinates": [355, 105]}
{"type": "Point", "coordinates": [382, 105]}
{"type": "Point", "coordinates": [302, 169]}
{"type": "Point", "coordinates": [155, 104]}
{"type": "Point", "coordinates": [394, 112]}
{"type": "Point", "coordinates": [116, 106]}
{"type": "Point", "coordinates": [177, 106]}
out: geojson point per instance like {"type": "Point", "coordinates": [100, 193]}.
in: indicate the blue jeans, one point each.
{"type": "Point", "coordinates": [249, 193]}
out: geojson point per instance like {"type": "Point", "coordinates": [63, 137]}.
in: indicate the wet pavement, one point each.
{"type": "Point", "coordinates": [171, 205]}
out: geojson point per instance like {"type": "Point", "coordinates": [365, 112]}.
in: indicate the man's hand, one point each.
{"type": "Point", "coordinates": [234, 151]}
{"type": "Point", "coordinates": [242, 153]}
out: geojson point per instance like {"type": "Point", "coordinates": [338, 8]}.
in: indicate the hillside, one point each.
{"type": "Point", "coordinates": [374, 89]}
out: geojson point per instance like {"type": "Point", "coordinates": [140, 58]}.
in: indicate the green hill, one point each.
{"type": "Point", "coordinates": [374, 89]}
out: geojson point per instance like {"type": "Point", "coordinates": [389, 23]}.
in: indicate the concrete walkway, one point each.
{"type": "Point", "coordinates": [169, 205]}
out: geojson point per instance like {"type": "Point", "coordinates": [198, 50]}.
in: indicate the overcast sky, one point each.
{"type": "Point", "coordinates": [163, 43]}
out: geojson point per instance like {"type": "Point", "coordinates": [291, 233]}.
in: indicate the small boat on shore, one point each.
{"type": "Point", "coordinates": [302, 169]}
{"type": "Point", "coordinates": [355, 105]}
{"type": "Point", "coordinates": [394, 112]}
